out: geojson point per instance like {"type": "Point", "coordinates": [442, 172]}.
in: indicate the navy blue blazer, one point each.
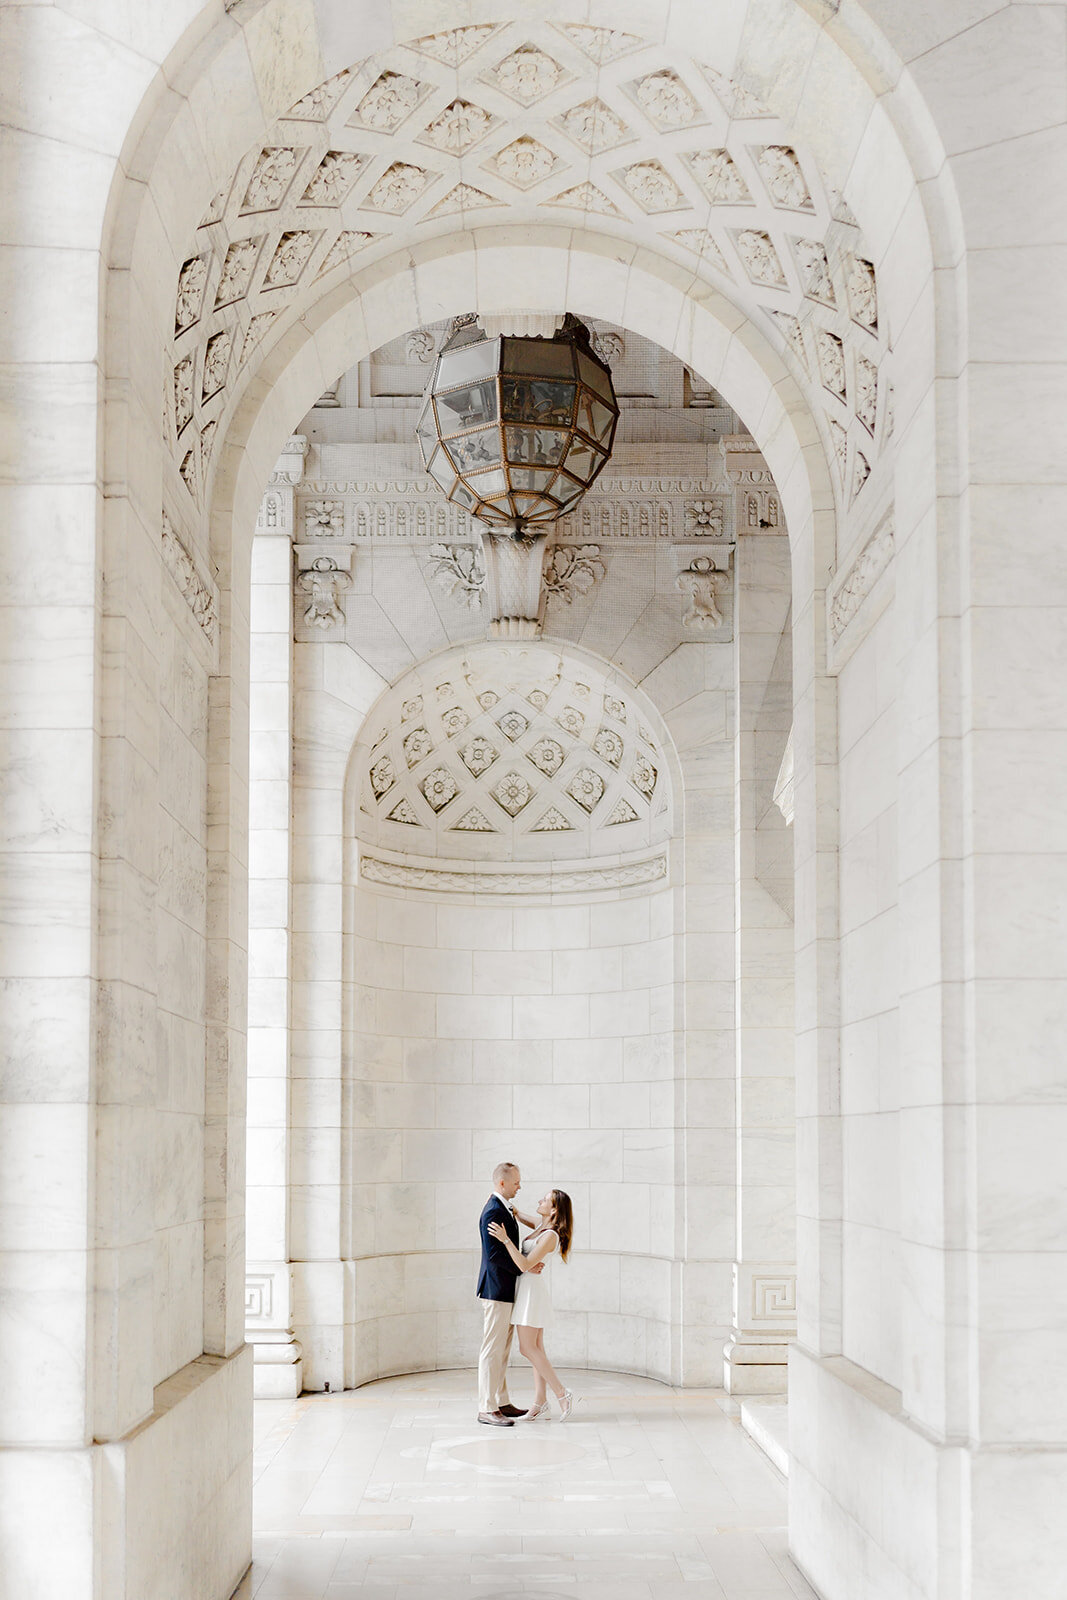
{"type": "Point", "coordinates": [496, 1281]}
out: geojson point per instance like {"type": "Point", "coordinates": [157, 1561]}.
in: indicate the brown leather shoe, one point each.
{"type": "Point", "coordinates": [495, 1419]}
{"type": "Point", "coordinates": [512, 1411]}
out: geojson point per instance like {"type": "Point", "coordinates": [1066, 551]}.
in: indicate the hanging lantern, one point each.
{"type": "Point", "coordinates": [515, 429]}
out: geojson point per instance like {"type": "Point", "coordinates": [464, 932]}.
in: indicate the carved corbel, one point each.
{"type": "Point", "coordinates": [702, 582]}
{"type": "Point", "coordinates": [323, 576]}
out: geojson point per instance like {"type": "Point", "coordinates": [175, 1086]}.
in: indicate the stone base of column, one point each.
{"type": "Point", "coordinates": [278, 1371]}
{"type": "Point", "coordinates": [753, 1366]}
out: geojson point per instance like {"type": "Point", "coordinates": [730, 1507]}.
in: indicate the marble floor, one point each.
{"type": "Point", "coordinates": [394, 1492]}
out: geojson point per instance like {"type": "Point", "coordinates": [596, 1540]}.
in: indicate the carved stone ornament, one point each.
{"type": "Point", "coordinates": [718, 176]}
{"type": "Point", "coordinates": [390, 99]}
{"type": "Point", "coordinates": [594, 126]}
{"type": "Point", "coordinates": [814, 271]}
{"type": "Point", "coordinates": [571, 570]}
{"type": "Point", "coordinates": [862, 294]}
{"type": "Point", "coordinates": [237, 271]}
{"type": "Point", "coordinates": [652, 187]}
{"type": "Point", "coordinates": [459, 570]}
{"type": "Point", "coordinates": [781, 173]}
{"type": "Point", "coordinates": [705, 518]}
{"type": "Point", "coordinates": [556, 879]}
{"type": "Point", "coordinates": [269, 180]}
{"type": "Point", "coordinates": [848, 593]}
{"type": "Point", "coordinates": [420, 345]}
{"type": "Point", "coordinates": [289, 259]}
{"type": "Point", "coordinates": [525, 162]}
{"type": "Point", "coordinates": [831, 354]}
{"type": "Point", "coordinates": [458, 127]}
{"type": "Point", "coordinates": [324, 517]}
{"type": "Point", "coordinates": [609, 346]}
{"type": "Point", "coordinates": [344, 247]}
{"type": "Point", "coordinates": [190, 296]}
{"type": "Point", "coordinates": [464, 197]}
{"type": "Point", "coordinates": [320, 101]}
{"type": "Point", "coordinates": [528, 74]}
{"type": "Point", "coordinates": [700, 241]}
{"type": "Point", "coordinates": [700, 583]}
{"type": "Point", "coordinates": [666, 100]}
{"type": "Point", "coordinates": [586, 197]}
{"type": "Point", "coordinates": [760, 257]}
{"type": "Point", "coordinates": [601, 45]}
{"type": "Point", "coordinates": [324, 579]}
{"type": "Point", "coordinates": [398, 188]}
{"type": "Point", "coordinates": [333, 180]}
{"type": "Point", "coordinates": [183, 569]}
{"type": "Point", "coordinates": [456, 45]}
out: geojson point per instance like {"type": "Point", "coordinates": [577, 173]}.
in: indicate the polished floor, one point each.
{"type": "Point", "coordinates": [394, 1492]}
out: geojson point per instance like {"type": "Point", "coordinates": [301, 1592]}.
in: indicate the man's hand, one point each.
{"type": "Point", "coordinates": [533, 1271]}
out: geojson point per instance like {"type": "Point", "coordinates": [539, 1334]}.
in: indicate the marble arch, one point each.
{"type": "Point", "coordinates": [931, 166]}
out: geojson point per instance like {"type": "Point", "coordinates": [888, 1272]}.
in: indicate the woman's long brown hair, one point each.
{"type": "Point", "coordinates": [563, 1220]}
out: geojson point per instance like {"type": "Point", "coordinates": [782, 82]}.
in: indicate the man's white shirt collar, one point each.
{"type": "Point", "coordinates": [496, 1195]}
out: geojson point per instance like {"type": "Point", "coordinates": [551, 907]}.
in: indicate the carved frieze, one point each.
{"type": "Point", "coordinates": [555, 879]}
{"type": "Point", "coordinates": [198, 593]}
{"type": "Point", "coordinates": [850, 589]}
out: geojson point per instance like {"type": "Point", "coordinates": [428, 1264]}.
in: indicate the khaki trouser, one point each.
{"type": "Point", "coordinates": [493, 1359]}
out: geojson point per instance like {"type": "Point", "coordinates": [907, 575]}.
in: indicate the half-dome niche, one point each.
{"type": "Point", "coordinates": [512, 752]}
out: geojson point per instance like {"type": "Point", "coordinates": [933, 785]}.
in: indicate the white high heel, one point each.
{"type": "Point", "coordinates": [566, 1402]}
{"type": "Point", "coordinates": [535, 1412]}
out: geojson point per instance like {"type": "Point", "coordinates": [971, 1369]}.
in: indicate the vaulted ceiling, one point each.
{"type": "Point", "coordinates": [532, 122]}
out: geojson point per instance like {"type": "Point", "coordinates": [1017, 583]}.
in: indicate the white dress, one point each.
{"type": "Point", "coordinates": [533, 1297]}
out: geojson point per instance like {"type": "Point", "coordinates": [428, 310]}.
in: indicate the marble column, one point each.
{"type": "Point", "coordinates": [764, 1272]}
{"type": "Point", "coordinates": [278, 1371]}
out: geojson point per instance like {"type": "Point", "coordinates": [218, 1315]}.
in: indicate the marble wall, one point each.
{"type": "Point", "coordinates": [541, 1033]}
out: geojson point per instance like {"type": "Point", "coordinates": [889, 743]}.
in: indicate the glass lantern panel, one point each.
{"type": "Point", "coordinates": [530, 400]}
{"type": "Point", "coordinates": [538, 357]}
{"type": "Point", "coordinates": [467, 365]}
{"type": "Point", "coordinates": [583, 460]}
{"type": "Point", "coordinates": [426, 427]}
{"type": "Point", "coordinates": [531, 477]}
{"type": "Point", "coordinates": [473, 450]}
{"type": "Point", "coordinates": [487, 484]}
{"type": "Point", "coordinates": [595, 376]}
{"type": "Point", "coordinates": [593, 418]}
{"type": "Point", "coordinates": [442, 470]}
{"type": "Point", "coordinates": [469, 407]}
{"type": "Point", "coordinates": [463, 497]}
{"type": "Point", "coordinates": [536, 447]}
{"type": "Point", "coordinates": [500, 512]}
{"type": "Point", "coordinates": [566, 489]}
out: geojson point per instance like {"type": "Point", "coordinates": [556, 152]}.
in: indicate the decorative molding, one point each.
{"type": "Point", "coordinates": [323, 574]}
{"type": "Point", "coordinates": [848, 593]}
{"type": "Point", "coordinates": [554, 879]}
{"type": "Point", "coordinates": [259, 1296]}
{"type": "Point", "coordinates": [571, 570]}
{"type": "Point", "coordinates": [459, 569]}
{"type": "Point", "coordinates": [774, 1298]}
{"type": "Point", "coordinates": [199, 594]}
{"type": "Point", "coordinates": [289, 467]}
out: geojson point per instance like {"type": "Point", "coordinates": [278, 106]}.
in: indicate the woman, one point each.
{"type": "Point", "coordinates": [533, 1298]}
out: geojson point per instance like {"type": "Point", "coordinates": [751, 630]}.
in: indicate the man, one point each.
{"type": "Point", "coordinates": [496, 1290]}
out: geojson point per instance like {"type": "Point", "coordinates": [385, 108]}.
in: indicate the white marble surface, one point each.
{"type": "Point", "coordinates": [647, 1493]}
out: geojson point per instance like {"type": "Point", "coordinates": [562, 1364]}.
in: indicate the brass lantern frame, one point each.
{"type": "Point", "coordinates": [515, 429]}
